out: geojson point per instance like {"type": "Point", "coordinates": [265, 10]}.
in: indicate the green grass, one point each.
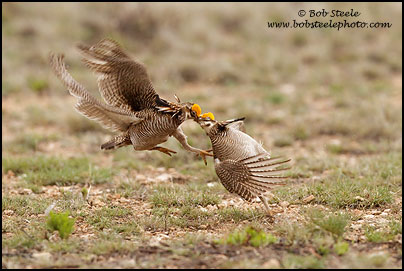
{"type": "Point", "coordinates": [128, 228]}
{"type": "Point", "coordinates": [323, 244]}
{"type": "Point", "coordinates": [8, 88]}
{"type": "Point", "coordinates": [70, 245]}
{"type": "Point", "coordinates": [24, 205]}
{"type": "Point", "coordinates": [383, 123]}
{"type": "Point", "coordinates": [61, 223]}
{"type": "Point", "coordinates": [335, 148]}
{"type": "Point", "coordinates": [370, 184]}
{"type": "Point", "coordinates": [177, 196]}
{"type": "Point", "coordinates": [276, 98]}
{"type": "Point", "coordinates": [302, 262]}
{"type": "Point", "coordinates": [112, 243]}
{"type": "Point", "coordinates": [123, 159]}
{"type": "Point", "coordinates": [38, 85]}
{"type": "Point", "coordinates": [132, 189]}
{"type": "Point", "coordinates": [283, 142]}
{"type": "Point", "coordinates": [372, 235]}
{"type": "Point", "coordinates": [38, 116]}
{"type": "Point", "coordinates": [184, 217]}
{"type": "Point", "coordinates": [341, 248]}
{"type": "Point", "coordinates": [19, 240]}
{"type": "Point", "coordinates": [321, 229]}
{"type": "Point", "coordinates": [332, 223]}
{"type": "Point", "coordinates": [379, 235]}
{"type": "Point", "coordinates": [188, 217]}
{"type": "Point", "coordinates": [249, 236]}
{"type": "Point", "coordinates": [43, 170]}
{"type": "Point", "coordinates": [396, 227]}
{"type": "Point", "coordinates": [23, 235]}
{"type": "Point", "coordinates": [109, 217]}
{"type": "Point", "coordinates": [296, 234]}
{"type": "Point", "coordinates": [300, 133]}
{"type": "Point", "coordinates": [77, 124]}
{"type": "Point", "coordinates": [28, 142]}
{"type": "Point", "coordinates": [237, 215]}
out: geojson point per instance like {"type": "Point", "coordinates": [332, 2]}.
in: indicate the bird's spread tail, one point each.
{"type": "Point", "coordinates": [252, 176]}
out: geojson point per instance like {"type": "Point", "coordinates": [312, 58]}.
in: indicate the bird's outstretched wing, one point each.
{"type": "Point", "coordinates": [115, 119]}
{"type": "Point", "coordinates": [122, 81]}
{"type": "Point", "coordinates": [239, 125]}
{"type": "Point", "coordinates": [250, 177]}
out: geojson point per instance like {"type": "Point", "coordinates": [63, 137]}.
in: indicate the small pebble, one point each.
{"type": "Point", "coordinates": [42, 256]}
{"type": "Point", "coordinates": [8, 212]}
{"type": "Point", "coordinates": [164, 177]}
{"type": "Point", "coordinates": [26, 191]}
{"type": "Point", "coordinates": [309, 199]}
{"type": "Point", "coordinates": [271, 264]}
{"type": "Point", "coordinates": [356, 226]}
{"type": "Point", "coordinates": [140, 177]}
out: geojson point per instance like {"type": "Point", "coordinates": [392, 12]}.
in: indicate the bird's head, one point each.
{"type": "Point", "coordinates": [191, 110]}
{"type": "Point", "coordinates": [211, 126]}
{"type": "Point", "coordinates": [207, 121]}
{"type": "Point", "coordinates": [184, 111]}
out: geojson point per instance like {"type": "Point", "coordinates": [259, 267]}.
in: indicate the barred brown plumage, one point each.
{"type": "Point", "coordinates": [243, 166]}
{"type": "Point", "coordinates": [132, 105]}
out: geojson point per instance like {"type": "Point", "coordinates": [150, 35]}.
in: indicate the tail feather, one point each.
{"type": "Point", "coordinates": [252, 176]}
{"type": "Point", "coordinates": [116, 142]}
{"type": "Point", "coordinates": [262, 164]}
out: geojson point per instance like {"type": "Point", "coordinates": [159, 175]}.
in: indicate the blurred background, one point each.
{"type": "Point", "coordinates": [304, 92]}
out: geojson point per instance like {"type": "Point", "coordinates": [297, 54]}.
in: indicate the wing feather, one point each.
{"type": "Point", "coordinates": [122, 81]}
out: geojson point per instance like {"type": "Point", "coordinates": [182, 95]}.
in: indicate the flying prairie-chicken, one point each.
{"type": "Point", "coordinates": [132, 107]}
{"type": "Point", "coordinates": [243, 166]}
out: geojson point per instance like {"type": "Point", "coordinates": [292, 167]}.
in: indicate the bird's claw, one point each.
{"type": "Point", "coordinates": [168, 151]}
{"type": "Point", "coordinates": [164, 150]}
{"type": "Point", "coordinates": [270, 217]}
{"type": "Point", "coordinates": [203, 154]}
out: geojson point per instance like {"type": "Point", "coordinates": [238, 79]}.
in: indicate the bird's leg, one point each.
{"type": "Point", "coordinates": [164, 150]}
{"type": "Point", "coordinates": [269, 212]}
{"type": "Point", "coordinates": [182, 138]}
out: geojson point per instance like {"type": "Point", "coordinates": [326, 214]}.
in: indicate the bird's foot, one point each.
{"type": "Point", "coordinates": [164, 150]}
{"type": "Point", "coordinates": [203, 154]}
{"type": "Point", "coordinates": [270, 215]}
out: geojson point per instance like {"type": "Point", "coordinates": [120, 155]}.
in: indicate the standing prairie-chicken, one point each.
{"type": "Point", "coordinates": [243, 166]}
{"type": "Point", "coordinates": [132, 107]}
